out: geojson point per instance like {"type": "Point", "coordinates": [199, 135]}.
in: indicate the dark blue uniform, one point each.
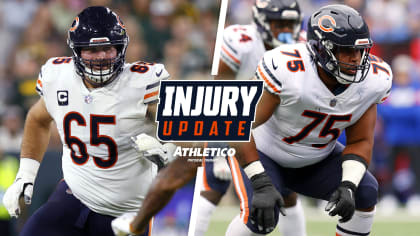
{"type": "Point", "coordinates": [65, 215]}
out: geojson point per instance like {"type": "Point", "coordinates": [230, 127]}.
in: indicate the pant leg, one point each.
{"type": "Point", "coordinates": [5, 227]}
{"type": "Point", "coordinates": [320, 180]}
{"type": "Point", "coordinates": [98, 224]}
{"type": "Point", "coordinates": [210, 181]}
{"type": "Point", "coordinates": [57, 216]}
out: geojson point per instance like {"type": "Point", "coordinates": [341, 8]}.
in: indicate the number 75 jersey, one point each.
{"type": "Point", "coordinates": [305, 126]}
{"type": "Point", "coordinates": [99, 164]}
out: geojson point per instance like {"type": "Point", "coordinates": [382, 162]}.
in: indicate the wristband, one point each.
{"type": "Point", "coordinates": [253, 168]}
{"type": "Point", "coordinates": [353, 171]}
{"type": "Point", "coordinates": [28, 167]}
{"type": "Point", "coordinates": [355, 158]}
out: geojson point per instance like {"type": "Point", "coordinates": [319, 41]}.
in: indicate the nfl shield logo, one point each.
{"type": "Point", "coordinates": [333, 102]}
{"type": "Point", "coordinates": [88, 99]}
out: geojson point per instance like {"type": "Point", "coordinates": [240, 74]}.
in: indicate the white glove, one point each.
{"type": "Point", "coordinates": [22, 187]}
{"type": "Point", "coordinates": [153, 150]}
{"type": "Point", "coordinates": [121, 225]}
{"type": "Point", "coordinates": [221, 168]}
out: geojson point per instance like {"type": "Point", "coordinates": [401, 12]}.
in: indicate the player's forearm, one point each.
{"type": "Point", "coordinates": [355, 161]}
{"type": "Point", "coordinates": [173, 177]}
{"type": "Point", "coordinates": [35, 138]}
{"type": "Point", "coordinates": [246, 152]}
{"type": "Point", "coordinates": [362, 148]}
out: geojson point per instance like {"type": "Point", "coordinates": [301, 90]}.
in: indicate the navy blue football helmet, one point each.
{"type": "Point", "coordinates": [98, 26]}
{"type": "Point", "coordinates": [337, 27]}
{"type": "Point", "coordinates": [265, 11]}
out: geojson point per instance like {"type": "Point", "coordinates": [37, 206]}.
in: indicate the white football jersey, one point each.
{"type": "Point", "coordinates": [305, 126]}
{"type": "Point", "coordinates": [99, 164]}
{"type": "Point", "coordinates": [242, 49]}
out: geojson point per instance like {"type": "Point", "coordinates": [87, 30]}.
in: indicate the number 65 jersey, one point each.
{"type": "Point", "coordinates": [305, 126]}
{"type": "Point", "coordinates": [99, 164]}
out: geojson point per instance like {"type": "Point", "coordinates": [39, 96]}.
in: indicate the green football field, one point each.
{"type": "Point", "coordinates": [320, 224]}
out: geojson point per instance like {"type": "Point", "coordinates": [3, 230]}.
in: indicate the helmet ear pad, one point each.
{"type": "Point", "coordinates": [324, 58]}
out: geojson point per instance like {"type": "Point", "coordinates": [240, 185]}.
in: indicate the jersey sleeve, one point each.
{"type": "Point", "coordinates": [236, 40]}
{"type": "Point", "coordinates": [152, 88]}
{"type": "Point", "coordinates": [44, 74]}
{"type": "Point", "coordinates": [386, 85]}
{"type": "Point", "coordinates": [265, 72]}
{"type": "Point", "coordinates": [39, 87]}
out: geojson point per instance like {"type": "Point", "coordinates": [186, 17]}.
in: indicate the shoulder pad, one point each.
{"type": "Point", "coordinates": [265, 72]}
{"type": "Point", "coordinates": [280, 64]}
{"type": "Point", "coordinates": [148, 70]}
{"type": "Point", "coordinates": [380, 76]}
{"type": "Point", "coordinates": [49, 71]}
{"type": "Point", "coordinates": [237, 41]}
{"type": "Point", "coordinates": [148, 75]}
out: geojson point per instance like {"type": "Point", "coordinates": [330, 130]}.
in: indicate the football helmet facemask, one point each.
{"type": "Point", "coordinates": [265, 11]}
{"type": "Point", "coordinates": [93, 27]}
{"type": "Point", "coordinates": [334, 28]}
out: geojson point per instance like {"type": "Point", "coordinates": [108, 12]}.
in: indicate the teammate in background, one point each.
{"type": "Point", "coordinates": [97, 102]}
{"type": "Point", "coordinates": [312, 93]}
{"type": "Point", "coordinates": [275, 23]}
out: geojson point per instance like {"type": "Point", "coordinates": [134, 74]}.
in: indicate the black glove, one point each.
{"type": "Point", "coordinates": [265, 199]}
{"type": "Point", "coordinates": [343, 200]}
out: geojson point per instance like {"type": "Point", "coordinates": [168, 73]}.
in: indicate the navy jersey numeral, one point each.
{"type": "Point", "coordinates": [96, 139]}
{"type": "Point", "coordinates": [318, 117]}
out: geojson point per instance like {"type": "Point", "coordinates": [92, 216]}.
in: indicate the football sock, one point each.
{"type": "Point", "coordinates": [205, 210]}
{"type": "Point", "coordinates": [293, 224]}
{"type": "Point", "coordinates": [360, 224]}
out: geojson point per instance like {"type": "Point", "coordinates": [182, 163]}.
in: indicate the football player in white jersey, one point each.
{"type": "Point", "coordinates": [275, 23]}
{"type": "Point", "coordinates": [98, 103]}
{"type": "Point", "coordinates": [312, 93]}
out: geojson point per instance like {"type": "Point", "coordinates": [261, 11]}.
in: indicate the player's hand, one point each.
{"type": "Point", "coordinates": [221, 168]}
{"type": "Point", "coordinates": [153, 150]}
{"type": "Point", "coordinates": [342, 201]}
{"type": "Point", "coordinates": [121, 225]}
{"type": "Point", "coordinates": [265, 198]}
{"type": "Point", "coordinates": [22, 187]}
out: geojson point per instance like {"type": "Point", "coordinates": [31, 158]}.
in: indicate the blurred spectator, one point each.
{"type": "Point", "coordinates": [11, 131]}
{"type": "Point", "coordinates": [401, 116]}
{"type": "Point", "coordinates": [8, 168]}
{"type": "Point", "coordinates": [11, 26]}
{"type": "Point", "coordinates": [156, 27]}
{"type": "Point", "coordinates": [388, 21]}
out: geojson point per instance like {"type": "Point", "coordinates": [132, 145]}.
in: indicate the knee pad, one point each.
{"type": "Point", "coordinates": [367, 192]}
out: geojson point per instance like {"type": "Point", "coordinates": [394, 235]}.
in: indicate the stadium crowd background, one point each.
{"type": "Point", "coordinates": [181, 35]}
